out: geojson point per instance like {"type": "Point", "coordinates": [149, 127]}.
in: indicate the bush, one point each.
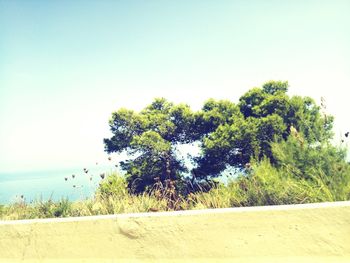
{"type": "Point", "coordinates": [113, 184]}
{"type": "Point", "coordinates": [321, 164]}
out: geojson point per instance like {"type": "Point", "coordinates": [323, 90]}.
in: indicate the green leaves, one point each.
{"type": "Point", "coordinates": [151, 142]}
{"type": "Point", "coordinates": [124, 124]}
{"type": "Point", "coordinates": [228, 134]}
{"type": "Point", "coordinates": [265, 115]}
{"type": "Point", "coordinates": [215, 113]}
{"type": "Point", "coordinates": [151, 137]}
{"type": "Point", "coordinates": [249, 103]}
{"type": "Point", "coordinates": [275, 87]}
{"type": "Point", "coordinates": [322, 164]}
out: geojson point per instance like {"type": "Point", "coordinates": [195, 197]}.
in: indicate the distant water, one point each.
{"type": "Point", "coordinates": [44, 185]}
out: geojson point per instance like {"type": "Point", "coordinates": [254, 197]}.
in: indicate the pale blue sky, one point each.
{"type": "Point", "coordinates": [66, 65]}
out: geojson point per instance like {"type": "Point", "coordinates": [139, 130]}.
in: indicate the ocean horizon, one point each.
{"type": "Point", "coordinates": [73, 184]}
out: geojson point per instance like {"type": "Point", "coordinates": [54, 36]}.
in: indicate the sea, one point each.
{"type": "Point", "coordinates": [72, 184]}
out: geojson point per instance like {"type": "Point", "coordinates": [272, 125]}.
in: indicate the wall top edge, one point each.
{"type": "Point", "coordinates": [182, 213]}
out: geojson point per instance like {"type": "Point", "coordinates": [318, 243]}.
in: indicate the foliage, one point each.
{"type": "Point", "coordinates": [322, 163]}
{"type": "Point", "coordinates": [114, 184]}
{"type": "Point", "coordinates": [267, 115]}
{"type": "Point", "coordinates": [151, 137]}
{"type": "Point", "coordinates": [229, 134]}
{"type": "Point", "coordinates": [264, 184]}
{"type": "Point", "coordinates": [280, 144]}
{"type": "Point", "coordinates": [38, 209]}
{"type": "Point", "coordinates": [213, 114]}
{"type": "Point", "coordinates": [268, 185]}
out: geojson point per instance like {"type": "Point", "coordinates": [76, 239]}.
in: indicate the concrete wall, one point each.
{"type": "Point", "coordinates": [299, 233]}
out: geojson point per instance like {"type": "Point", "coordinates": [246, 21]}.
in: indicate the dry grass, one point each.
{"type": "Point", "coordinates": [265, 185]}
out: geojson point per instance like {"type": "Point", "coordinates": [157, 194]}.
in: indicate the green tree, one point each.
{"type": "Point", "coordinates": [150, 137]}
{"type": "Point", "coordinates": [229, 134]}
{"type": "Point", "coordinates": [213, 114]}
{"type": "Point", "coordinates": [267, 114]}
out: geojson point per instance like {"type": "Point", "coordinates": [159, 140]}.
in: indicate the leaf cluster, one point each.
{"type": "Point", "coordinates": [228, 134]}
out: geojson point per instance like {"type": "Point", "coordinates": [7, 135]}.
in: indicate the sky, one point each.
{"type": "Point", "coordinates": [65, 66]}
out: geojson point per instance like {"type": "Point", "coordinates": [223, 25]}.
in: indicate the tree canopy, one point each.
{"type": "Point", "coordinates": [150, 138]}
{"type": "Point", "coordinates": [267, 115]}
{"type": "Point", "coordinates": [229, 134]}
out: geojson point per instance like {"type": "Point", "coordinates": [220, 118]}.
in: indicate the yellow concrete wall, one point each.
{"type": "Point", "coordinates": [301, 233]}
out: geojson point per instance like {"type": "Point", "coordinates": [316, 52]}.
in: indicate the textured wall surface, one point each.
{"type": "Point", "coordinates": [300, 233]}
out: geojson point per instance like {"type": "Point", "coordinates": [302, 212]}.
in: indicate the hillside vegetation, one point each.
{"type": "Point", "coordinates": [278, 147]}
